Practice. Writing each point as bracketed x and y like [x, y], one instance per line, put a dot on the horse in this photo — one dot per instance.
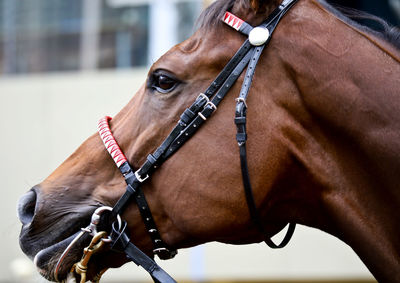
[323, 128]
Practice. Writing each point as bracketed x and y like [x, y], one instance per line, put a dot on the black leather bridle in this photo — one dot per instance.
[190, 121]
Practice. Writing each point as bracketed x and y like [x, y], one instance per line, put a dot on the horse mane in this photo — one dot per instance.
[211, 16]
[350, 16]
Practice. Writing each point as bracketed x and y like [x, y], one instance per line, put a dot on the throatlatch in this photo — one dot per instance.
[190, 121]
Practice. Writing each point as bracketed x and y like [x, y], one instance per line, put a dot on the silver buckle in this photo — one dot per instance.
[241, 99]
[202, 95]
[211, 104]
[164, 253]
[139, 178]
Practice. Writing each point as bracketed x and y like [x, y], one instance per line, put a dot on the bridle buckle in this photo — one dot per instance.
[241, 99]
[212, 105]
[164, 253]
[139, 178]
[202, 95]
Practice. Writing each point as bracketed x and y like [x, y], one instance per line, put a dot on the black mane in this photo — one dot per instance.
[213, 14]
[351, 16]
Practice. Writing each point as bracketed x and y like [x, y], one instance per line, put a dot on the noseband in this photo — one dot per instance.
[190, 121]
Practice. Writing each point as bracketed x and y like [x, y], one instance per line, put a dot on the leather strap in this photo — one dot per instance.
[122, 243]
[208, 109]
[241, 135]
[160, 248]
[252, 205]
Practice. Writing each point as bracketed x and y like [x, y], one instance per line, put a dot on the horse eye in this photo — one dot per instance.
[163, 83]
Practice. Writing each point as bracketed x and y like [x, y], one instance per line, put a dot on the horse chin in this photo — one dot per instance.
[46, 259]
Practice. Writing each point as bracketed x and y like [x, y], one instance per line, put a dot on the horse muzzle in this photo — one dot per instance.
[26, 207]
[48, 229]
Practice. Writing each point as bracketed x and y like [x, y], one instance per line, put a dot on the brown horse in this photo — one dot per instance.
[323, 147]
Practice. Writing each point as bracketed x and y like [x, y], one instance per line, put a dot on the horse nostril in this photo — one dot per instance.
[26, 207]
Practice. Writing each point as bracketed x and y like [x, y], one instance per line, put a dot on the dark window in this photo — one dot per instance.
[69, 35]
[124, 36]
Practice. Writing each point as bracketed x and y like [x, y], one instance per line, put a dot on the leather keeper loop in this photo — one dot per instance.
[151, 159]
[240, 120]
[158, 153]
[125, 168]
[241, 137]
[187, 116]
[130, 178]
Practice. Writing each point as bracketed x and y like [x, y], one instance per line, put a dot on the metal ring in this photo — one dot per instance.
[96, 219]
[65, 252]
[92, 230]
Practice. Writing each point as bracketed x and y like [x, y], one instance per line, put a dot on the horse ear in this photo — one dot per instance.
[261, 6]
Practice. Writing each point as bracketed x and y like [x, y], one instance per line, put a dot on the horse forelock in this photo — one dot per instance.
[211, 16]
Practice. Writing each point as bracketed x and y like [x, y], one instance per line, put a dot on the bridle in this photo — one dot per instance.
[190, 121]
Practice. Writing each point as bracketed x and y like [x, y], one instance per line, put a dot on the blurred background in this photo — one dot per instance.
[63, 65]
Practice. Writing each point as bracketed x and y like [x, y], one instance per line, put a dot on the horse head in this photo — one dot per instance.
[300, 161]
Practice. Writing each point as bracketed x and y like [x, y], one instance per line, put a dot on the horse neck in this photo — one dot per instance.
[348, 84]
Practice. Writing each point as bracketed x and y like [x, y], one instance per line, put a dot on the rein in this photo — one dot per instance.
[190, 121]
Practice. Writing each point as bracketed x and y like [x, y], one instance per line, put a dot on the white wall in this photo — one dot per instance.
[44, 118]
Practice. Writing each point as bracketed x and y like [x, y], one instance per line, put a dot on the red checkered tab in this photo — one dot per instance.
[109, 141]
[233, 21]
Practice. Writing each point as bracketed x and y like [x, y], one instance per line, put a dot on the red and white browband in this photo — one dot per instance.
[233, 21]
[257, 36]
[110, 142]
